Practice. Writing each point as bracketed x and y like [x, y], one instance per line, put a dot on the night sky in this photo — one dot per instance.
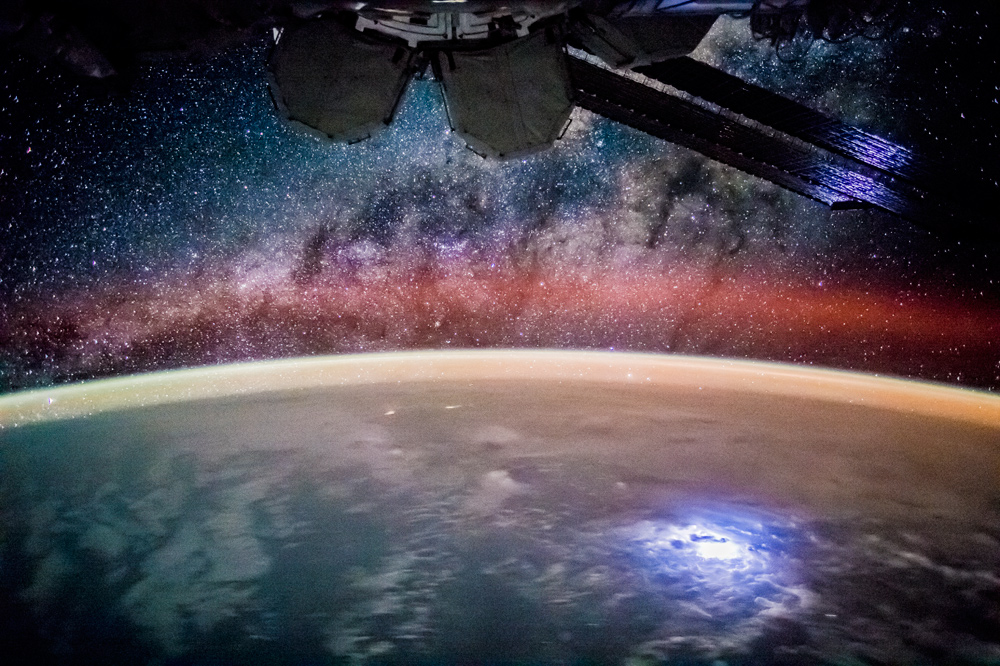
[179, 221]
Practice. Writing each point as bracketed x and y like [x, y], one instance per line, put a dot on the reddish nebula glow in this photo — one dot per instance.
[945, 336]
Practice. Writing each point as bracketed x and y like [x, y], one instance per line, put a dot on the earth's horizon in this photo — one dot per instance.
[247, 377]
[501, 507]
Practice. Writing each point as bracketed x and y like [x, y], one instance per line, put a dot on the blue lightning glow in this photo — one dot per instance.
[724, 565]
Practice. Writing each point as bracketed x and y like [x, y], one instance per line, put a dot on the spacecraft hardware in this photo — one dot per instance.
[512, 72]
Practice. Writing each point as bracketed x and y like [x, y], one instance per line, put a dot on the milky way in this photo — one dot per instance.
[181, 222]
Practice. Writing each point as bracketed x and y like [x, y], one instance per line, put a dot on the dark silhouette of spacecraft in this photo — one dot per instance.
[511, 73]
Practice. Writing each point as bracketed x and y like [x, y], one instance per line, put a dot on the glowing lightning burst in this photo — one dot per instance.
[703, 546]
[713, 546]
[723, 566]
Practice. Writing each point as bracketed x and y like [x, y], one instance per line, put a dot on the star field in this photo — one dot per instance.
[182, 222]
